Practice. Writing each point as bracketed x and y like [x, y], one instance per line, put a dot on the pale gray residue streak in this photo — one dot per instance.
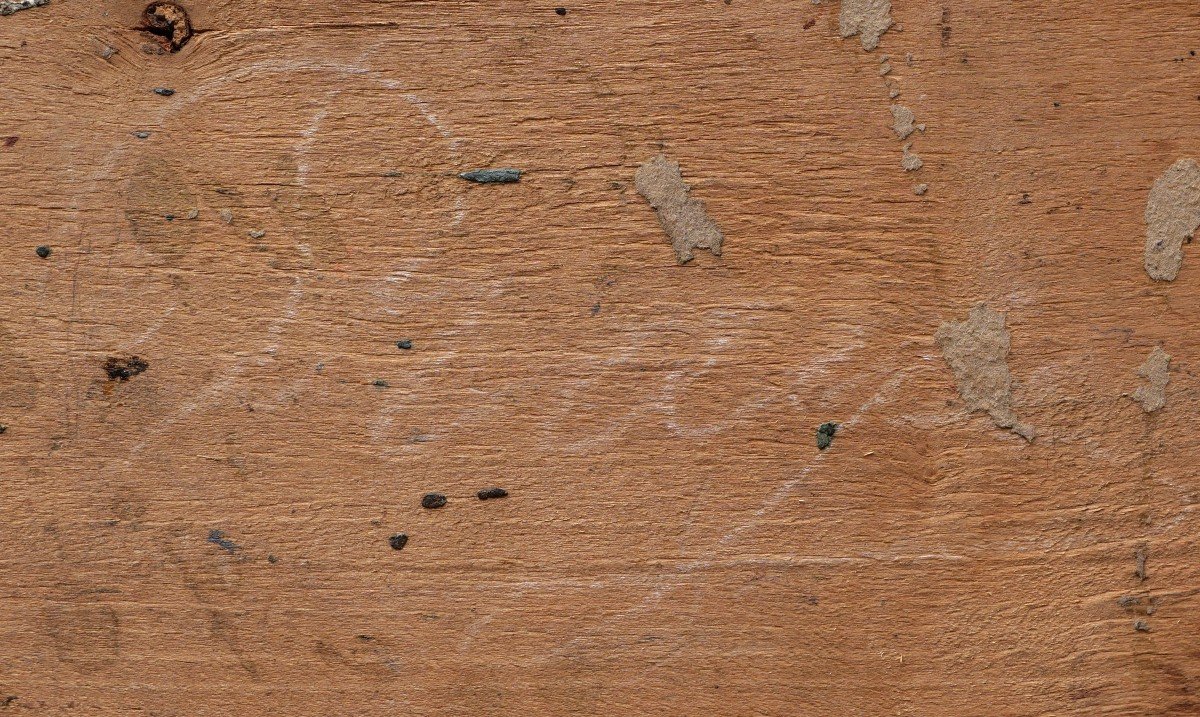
[910, 161]
[8, 8]
[866, 18]
[902, 121]
[1152, 396]
[681, 215]
[977, 351]
[1172, 215]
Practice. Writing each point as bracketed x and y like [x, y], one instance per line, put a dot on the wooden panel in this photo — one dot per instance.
[210, 536]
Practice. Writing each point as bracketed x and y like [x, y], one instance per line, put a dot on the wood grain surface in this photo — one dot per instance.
[210, 536]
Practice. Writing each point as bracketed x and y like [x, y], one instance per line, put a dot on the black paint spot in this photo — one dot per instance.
[404, 344]
[489, 493]
[217, 537]
[398, 541]
[43, 251]
[825, 433]
[492, 176]
[1058, 104]
[560, 11]
[169, 23]
[164, 91]
[123, 369]
[433, 501]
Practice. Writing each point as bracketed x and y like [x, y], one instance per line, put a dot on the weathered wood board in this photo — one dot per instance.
[210, 535]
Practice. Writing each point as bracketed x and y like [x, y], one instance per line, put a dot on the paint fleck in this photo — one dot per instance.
[164, 91]
[256, 233]
[866, 18]
[1152, 396]
[910, 162]
[977, 352]
[8, 8]
[398, 541]
[1141, 626]
[404, 344]
[433, 501]
[884, 69]
[492, 176]
[681, 215]
[227, 216]
[217, 537]
[825, 434]
[42, 251]
[123, 369]
[491, 493]
[902, 121]
[920, 189]
[560, 11]
[1172, 215]
[380, 383]
[141, 135]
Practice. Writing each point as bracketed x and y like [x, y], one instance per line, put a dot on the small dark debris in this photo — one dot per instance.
[42, 251]
[369, 638]
[123, 369]
[1024, 199]
[380, 383]
[169, 217]
[10, 141]
[8, 700]
[1141, 626]
[141, 135]
[560, 11]
[1140, 556]
[489, 493]
[404, 344]
[169, 23]
[3, 429]
[398, 541]
[945, 26]
[217, 537]
[1128, 601]
[164, 91]
[1058, 104]
[492, 176]
[1192, 53]
[808, 25]
[825, 433]
[433, 501]
[272, 559]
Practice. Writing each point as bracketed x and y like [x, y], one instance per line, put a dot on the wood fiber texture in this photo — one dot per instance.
[212, 535]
